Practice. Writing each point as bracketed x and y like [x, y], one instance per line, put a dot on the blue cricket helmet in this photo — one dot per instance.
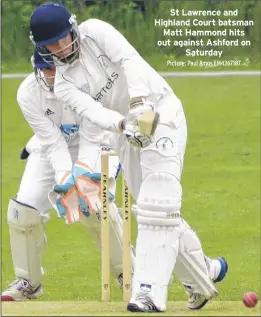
[49, 23]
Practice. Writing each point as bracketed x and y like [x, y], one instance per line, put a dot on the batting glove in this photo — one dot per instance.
[140, 123]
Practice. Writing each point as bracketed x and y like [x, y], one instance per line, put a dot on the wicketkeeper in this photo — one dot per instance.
[62, 171]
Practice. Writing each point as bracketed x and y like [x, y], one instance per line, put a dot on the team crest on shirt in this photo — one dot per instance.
[164, 143]
[85, 88]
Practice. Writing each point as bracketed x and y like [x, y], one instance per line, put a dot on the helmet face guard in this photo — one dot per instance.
[46, 82]
[49, 24]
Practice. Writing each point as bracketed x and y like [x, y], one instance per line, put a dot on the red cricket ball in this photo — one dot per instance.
[250, 299]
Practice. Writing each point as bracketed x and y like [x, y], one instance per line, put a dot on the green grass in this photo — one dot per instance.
[118, 309]
[221, 183]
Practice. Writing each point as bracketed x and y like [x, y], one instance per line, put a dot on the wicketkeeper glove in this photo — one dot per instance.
[88, 187]
[67, 203]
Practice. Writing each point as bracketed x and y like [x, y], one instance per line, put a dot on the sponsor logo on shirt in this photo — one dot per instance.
[106, 148]
[48, 112]
[107, 87]
[69, 131]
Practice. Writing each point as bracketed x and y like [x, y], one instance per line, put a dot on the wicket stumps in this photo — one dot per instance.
[105, 233]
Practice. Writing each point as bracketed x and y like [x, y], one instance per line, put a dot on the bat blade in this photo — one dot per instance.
[148, 122]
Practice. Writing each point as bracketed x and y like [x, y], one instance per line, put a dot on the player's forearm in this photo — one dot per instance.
[104, 118]
[86, 107]
[89, 151]
[48, 135]
[59, 157]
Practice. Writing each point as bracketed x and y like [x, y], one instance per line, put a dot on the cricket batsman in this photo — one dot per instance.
[63, 145]
[103, 79]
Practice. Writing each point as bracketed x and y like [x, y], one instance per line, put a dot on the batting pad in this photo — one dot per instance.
[191, 262]
[203, 281]
[27, 241]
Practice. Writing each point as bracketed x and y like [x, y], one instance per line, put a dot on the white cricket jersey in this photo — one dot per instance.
[107, 74]
[56, 126]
